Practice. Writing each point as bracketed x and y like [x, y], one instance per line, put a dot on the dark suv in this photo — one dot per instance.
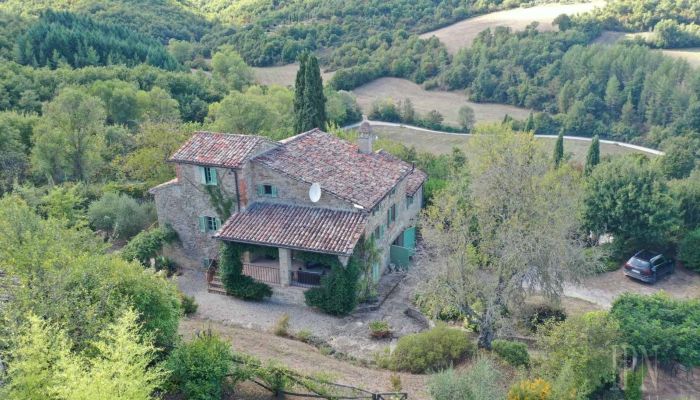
[649, 266]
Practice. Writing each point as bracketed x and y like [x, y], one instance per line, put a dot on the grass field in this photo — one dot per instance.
[461, 34]
[447, 103]
[441, 144]
[282, 75]
[692, 55]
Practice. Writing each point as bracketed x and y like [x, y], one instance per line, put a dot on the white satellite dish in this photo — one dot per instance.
[315, 192]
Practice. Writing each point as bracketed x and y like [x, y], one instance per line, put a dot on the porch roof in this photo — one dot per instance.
[318, 230]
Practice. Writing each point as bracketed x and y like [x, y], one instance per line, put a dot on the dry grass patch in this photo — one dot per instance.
[282, 75]
[462, 34]
[447, 103]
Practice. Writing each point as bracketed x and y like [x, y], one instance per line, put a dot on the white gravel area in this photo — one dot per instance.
[349, 334]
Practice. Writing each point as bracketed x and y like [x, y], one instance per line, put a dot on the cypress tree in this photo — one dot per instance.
[299, 93]
[309, 100]
[593, 156]
[559, 149]
[530, 124]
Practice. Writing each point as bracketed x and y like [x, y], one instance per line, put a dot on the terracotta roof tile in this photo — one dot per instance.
[217, 149]
[339, 167]
[304, 228]
[414, 181]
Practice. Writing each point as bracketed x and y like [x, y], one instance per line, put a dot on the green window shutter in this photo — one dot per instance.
[202, 176]
[274, 191]
[261, 190]
[213, 177]
[202, 224]
[217, 223]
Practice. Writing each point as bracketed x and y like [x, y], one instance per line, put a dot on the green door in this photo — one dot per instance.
[409, 238]
[375, 272]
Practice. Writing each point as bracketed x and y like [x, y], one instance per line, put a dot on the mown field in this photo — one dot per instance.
[282, 75]
[447, 103]
[692, 55]
[461, 34]
[442, 143]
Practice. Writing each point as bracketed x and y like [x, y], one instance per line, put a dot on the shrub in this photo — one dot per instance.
[661, 327]
[304, 335]
[534, 315]
[689, 250]
[199, 368]
[431, 350]
[537, 389]
[166, 264]
[337, 294]
[120, 214]
[189, 306]
[147, 244]
[633, 384]
[237, 284]
[281, 327]
[515, 353]
[482, 381]
[379, 329]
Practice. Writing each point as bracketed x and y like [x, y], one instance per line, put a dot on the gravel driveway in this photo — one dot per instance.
[349, 335]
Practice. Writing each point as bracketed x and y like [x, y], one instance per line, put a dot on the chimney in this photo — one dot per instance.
[364, 142]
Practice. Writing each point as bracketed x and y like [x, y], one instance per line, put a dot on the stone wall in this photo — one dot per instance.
[180, 205]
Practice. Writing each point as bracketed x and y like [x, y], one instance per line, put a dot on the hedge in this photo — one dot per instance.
[231, 270]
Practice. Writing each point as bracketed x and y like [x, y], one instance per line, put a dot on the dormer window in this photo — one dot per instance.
[208, 176]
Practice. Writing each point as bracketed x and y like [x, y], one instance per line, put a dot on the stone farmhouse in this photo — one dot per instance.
[249, 189]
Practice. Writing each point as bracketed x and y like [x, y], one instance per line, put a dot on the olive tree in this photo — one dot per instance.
[502, 231]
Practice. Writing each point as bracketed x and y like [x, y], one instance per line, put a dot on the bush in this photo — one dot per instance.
[535, 315]
[431, 350]
[379, 329]
[689, 250]
[515, 353]
[237, 284]
[661, 327]
[304, 335]
[337, 294]
[189, 306]
[537, 389]
[633, 384]
[147, 244]
[120, 214]
[282, 326]
[199, 368]
[166, 264]
[482, 381]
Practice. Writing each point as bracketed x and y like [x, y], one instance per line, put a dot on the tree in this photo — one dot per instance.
[530, 123]
[593, 156]
[680, 157]
[583, 347]
[629, 198]
[309, 100]
[499, 232]
[229, 69]
[408, 113]
[559, 150]
[466, 118]
[69, 138]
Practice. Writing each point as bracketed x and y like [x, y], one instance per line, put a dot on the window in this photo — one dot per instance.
[391, 215]
[379, 232]
[409, 201]
[267, 190]
[208, 175]
[209, 224]
[393, 190]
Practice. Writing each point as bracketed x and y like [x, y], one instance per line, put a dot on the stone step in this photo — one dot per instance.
[218, 290]
[216, 284]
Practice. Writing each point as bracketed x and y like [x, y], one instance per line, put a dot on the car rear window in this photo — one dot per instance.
[635, 262]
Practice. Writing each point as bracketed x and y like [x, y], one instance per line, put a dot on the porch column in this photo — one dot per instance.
[344, 260]
[285, 265]
[246, 257]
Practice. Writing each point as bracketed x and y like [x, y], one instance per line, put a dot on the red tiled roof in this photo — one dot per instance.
[304, 228]
[217, 149]
[339, 167]
[414, 181]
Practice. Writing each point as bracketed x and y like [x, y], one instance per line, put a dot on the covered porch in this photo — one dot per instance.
[288, 268]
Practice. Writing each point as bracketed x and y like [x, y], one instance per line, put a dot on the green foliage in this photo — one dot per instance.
[229, 69]
[337, 294]
[467, 119]
[199, 367]
[121, 363]
[147, 244]
[482, 381]
[629, 198]
[536, 389]
[536, 315]
[379, 329]
[593, 155]
[660, 327]
[120, 214]
[309, 100]
[231, 271]
[281, 327]
[633, 384]
[431, 350]
[559, 150]
[679, 158]
[587, 345]
[387, 110]
[64, 203]
[64, 37]
[687, 193]
[689, 250]
[189, 305]
[515, 353]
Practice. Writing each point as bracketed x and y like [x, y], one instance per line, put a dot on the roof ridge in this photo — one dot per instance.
[298, 136]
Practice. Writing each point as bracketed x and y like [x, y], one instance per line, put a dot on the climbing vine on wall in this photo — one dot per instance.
[337, 294]
[222, 204]
[231, 270]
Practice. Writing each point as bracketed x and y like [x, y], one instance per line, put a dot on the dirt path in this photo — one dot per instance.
[462, 34]
[303, 357]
